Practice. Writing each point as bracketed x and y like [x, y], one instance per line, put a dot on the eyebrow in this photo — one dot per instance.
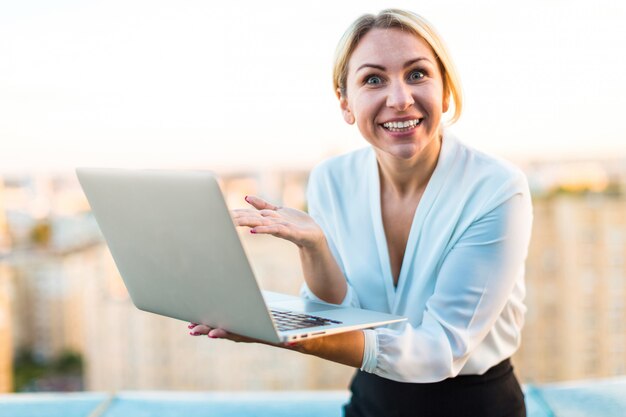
[406, 64]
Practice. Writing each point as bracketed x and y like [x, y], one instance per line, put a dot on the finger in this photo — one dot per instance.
[200, 330]
[259, 203]
[276, 229]
[268, 213]
[243, 212]
[192, 325]
[220, 334]
[253, 221]
[223, 334]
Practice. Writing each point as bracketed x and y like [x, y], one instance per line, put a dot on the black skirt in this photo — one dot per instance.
[493, 394]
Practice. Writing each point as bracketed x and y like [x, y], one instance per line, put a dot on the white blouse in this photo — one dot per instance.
[461, 282]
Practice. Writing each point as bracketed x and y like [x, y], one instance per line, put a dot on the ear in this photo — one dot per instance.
[445, 105]
[345, 108]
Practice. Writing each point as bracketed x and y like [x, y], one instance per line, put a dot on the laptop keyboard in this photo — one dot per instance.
[288, 320]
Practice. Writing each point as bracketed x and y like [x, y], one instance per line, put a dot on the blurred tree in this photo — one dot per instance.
[29, 372]
[41, 233]
[68, 363]
[26, 369]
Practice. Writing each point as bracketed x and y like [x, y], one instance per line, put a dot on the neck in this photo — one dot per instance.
[408, 178]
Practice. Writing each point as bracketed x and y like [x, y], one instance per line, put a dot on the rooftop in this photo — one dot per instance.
[606, 398]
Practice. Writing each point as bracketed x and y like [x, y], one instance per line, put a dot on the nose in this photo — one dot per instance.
[400, 97]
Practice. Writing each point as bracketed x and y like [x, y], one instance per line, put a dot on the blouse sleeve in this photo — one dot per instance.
[320, 206]
[474, 282]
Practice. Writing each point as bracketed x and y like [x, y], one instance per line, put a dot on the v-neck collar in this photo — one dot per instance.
[437, 179]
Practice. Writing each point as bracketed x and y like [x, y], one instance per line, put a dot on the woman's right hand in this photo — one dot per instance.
[284, 222]
[319, 267]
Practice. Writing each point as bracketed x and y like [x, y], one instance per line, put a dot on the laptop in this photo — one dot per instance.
[177, 250]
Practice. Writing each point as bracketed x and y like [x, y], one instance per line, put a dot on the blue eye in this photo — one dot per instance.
[416, 75]
[373, 80]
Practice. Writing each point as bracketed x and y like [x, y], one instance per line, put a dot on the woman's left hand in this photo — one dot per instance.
[196, 329]
[346, 348]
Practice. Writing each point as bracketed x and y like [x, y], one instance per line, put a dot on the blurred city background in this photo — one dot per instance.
[244, 89]
[67, 323]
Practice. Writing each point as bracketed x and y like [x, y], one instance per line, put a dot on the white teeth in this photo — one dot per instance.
[402, 125]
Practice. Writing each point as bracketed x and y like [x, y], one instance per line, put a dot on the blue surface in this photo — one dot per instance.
[271, 404]
[50, 405]
[535, 404]
[606, 398]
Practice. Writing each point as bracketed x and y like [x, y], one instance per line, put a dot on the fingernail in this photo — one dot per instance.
[246, 198]
[191, 326]
[193, 333]
[252, 231]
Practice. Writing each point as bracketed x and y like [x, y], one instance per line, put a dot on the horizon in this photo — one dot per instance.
[232, 168]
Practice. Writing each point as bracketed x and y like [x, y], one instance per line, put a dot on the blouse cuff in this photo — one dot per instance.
[370, 351]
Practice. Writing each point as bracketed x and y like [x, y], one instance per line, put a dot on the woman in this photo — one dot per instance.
[417, 224]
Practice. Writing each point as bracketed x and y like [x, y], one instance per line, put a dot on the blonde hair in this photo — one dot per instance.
[404, 20]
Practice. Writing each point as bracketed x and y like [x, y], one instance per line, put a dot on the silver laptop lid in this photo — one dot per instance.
[172, 239]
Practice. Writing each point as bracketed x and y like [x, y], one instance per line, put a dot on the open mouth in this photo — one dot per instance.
[404, 126]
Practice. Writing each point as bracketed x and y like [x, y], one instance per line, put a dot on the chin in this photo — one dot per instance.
[405, 152]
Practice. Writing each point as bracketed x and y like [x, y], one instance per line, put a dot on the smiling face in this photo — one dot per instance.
[395, 93]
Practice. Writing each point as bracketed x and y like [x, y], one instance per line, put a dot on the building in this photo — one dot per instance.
[6, 342]
[48, 303]
[51, 252]
[5, 238]
[576, 279]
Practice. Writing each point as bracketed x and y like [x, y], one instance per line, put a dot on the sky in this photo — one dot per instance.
[247, 84]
